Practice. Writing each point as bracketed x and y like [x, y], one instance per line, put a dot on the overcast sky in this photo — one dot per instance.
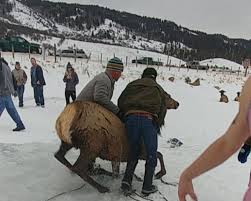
[228, 17]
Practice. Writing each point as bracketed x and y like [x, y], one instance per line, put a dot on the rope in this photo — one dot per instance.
[65, 192]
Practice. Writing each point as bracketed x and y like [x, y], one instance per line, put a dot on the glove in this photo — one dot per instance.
[244, 152]
[120, 115]
[15, 94]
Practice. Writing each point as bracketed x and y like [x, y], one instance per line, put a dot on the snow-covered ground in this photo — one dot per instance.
[29, 172]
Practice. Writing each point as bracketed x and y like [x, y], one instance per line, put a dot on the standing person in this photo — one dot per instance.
[20, 78]
[37, 82]
[100, 90]
[222, 148]
[71, 80]
[6, 90]
[143, 105]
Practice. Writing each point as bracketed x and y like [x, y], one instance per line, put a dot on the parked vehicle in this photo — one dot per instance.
[19, 44]
[147, 60]
[79, 53]
[196, 65]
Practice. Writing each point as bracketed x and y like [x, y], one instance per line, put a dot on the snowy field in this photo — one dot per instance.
[29, 172]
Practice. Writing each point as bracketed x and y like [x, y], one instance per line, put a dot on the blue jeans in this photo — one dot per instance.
[20, 93]
[6, 102]
[138, 128]
[39, 94]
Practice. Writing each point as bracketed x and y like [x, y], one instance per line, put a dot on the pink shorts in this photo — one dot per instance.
[247, 196]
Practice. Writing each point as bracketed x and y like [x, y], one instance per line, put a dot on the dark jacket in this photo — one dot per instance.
[145, 95]
[37, 75]
[71, 81]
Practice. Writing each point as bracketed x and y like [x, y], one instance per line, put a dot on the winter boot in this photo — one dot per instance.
[19, 128]
[127, 180]
[148, 187]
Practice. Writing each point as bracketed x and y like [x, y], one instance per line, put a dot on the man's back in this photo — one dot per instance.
[100, 90]
[88, 93]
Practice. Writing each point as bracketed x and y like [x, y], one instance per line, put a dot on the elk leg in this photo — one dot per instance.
[81, 169]
[60, 154]
[101, 171]
[115, 168]
[162, 171]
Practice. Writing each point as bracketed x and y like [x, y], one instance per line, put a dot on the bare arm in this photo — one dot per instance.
[221, 149]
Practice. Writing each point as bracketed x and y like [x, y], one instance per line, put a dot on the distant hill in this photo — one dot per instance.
[38, 18]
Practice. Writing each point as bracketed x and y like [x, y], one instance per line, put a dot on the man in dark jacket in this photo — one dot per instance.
[71, 80]
[37, 82]
[143, 105]
[6, 90]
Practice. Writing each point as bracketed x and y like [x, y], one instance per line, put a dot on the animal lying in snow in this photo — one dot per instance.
[223, 97]
[237, 98]
[97, 132]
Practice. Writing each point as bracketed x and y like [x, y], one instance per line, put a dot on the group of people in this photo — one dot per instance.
[13, 83]
[141, 107]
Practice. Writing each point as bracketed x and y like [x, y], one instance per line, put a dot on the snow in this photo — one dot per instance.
[108, 51]
[31, 18]
[29, 171]
[222, 63]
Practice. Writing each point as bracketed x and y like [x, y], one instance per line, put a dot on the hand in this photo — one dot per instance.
[244, 152]
[186, 188]
[15, 94]
[38, 82]
[120, 115]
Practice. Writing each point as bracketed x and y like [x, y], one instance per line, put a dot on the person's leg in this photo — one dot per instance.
[2, 105]
[18, 94]
[22, 95]
[35, 88]
[73, 95]
[41, 95]
[10, 107]
[67, 97]
[150, 137]
[20, 91]
[133, 135]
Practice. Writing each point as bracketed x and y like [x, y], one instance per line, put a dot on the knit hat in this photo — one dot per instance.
[68, 65]
[150, 73]
[115, 64]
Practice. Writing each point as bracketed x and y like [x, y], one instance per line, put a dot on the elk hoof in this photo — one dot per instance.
[103, 190]
[159, 175]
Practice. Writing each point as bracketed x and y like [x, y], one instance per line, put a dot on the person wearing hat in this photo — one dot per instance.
[143, 105]
[20, 78]
[71, 80]
[100, 88]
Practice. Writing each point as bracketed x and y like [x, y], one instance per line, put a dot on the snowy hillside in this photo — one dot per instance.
[222, 63]
[115, 33]
[29, 171]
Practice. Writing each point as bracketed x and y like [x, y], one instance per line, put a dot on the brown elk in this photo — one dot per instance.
[97, 133]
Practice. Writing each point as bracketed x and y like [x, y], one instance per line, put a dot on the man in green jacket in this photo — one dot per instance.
[143, 105]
